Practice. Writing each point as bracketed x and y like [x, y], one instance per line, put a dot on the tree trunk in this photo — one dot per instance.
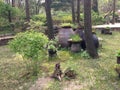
[9, 1]
[19, 3]
[78, 12]
[37, 6]
[27, 10]
[88, 30]
[73, 11]
[13, 3]
[9, 16]
[6, 1]
[49, 19]
[9, 12]
[95, 6]
[114, 5]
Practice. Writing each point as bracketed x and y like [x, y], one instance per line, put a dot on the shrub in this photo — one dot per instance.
[84, 54]
[52, 45]
[40, 17]
[66, 25]
[5, 8]
[30, 45]
[62, 17]
[97, 19]
[36, 26]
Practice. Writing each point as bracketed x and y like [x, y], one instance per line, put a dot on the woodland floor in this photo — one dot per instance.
[92, 74]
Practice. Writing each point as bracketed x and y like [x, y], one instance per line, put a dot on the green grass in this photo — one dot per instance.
[92, 74]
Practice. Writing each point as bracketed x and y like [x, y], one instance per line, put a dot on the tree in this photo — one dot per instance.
[114, 5]
[95, 6]
[37, 6]
[49, 19]
[13, 3]
[73, 11]
[27, 10]
[78, 12]
[88, 30]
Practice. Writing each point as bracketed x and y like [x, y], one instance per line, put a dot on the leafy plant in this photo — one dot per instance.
[51, 45]
[84, 54]
[5, 8]
[118, 53]
[97, 19]
[40, 17]
[107, 28]
[37, 26]
[30, 45]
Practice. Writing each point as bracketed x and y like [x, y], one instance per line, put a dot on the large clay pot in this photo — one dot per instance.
[63, 35]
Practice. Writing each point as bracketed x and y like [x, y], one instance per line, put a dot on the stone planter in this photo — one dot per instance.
[75, 46]
[52, 52]
[106, 31]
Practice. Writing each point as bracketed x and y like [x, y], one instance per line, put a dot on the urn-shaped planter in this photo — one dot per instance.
[75, 46]
[63, 36]
[106, 30]
[75, 43]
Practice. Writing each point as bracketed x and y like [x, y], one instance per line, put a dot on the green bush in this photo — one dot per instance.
[62, 17]
[16, 13]
[3, 21]
[40, 17]
[5, 8]
[30, 45]
[7, 27]
[97, 19]
[52, 45]
[66, 25]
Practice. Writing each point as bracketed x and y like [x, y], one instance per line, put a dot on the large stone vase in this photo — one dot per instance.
[64, 35]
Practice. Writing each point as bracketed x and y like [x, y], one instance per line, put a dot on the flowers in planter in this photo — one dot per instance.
[75, 38]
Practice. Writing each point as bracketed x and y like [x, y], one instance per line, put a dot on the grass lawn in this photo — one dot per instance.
[92, 74]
